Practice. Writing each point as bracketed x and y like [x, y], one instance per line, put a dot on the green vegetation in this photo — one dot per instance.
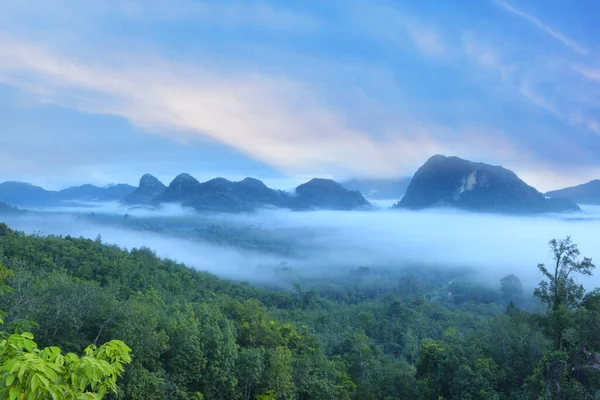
[404, 334]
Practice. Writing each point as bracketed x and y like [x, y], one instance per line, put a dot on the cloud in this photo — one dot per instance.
[573, 45]
[273, 119]
[398, 28]
[589, 73]
[545, 81]
[308, 106]
[223, 13]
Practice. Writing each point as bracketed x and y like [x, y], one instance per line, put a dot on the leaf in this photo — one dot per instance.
[14, 393]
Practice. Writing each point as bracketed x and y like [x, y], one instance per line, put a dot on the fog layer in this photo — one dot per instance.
[323, 242]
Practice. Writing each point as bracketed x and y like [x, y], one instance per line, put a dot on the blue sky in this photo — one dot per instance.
[105, 91]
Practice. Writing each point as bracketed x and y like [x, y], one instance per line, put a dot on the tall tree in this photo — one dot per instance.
[560, 288]
[559, 291]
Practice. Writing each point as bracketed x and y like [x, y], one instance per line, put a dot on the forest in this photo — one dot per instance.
[135, 326]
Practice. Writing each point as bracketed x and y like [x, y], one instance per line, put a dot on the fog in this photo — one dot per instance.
[328, 241]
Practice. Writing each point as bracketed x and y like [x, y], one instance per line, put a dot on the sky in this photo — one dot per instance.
[104, 91]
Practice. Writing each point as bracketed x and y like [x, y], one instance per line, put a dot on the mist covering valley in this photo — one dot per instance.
[276, 246]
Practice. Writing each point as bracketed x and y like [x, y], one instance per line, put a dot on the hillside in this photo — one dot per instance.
[453, 182]
[587, 193]
[368, 334]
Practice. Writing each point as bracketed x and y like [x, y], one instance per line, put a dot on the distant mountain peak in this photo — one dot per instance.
[328, 194]
[148, 189]
[149, 180]
[184, 179]
[253, 182]
[452, 181]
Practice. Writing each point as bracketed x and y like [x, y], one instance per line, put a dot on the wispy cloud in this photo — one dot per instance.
[308, 106]
[386, 23]
[589, 73]
[273, 119]
[570, 43]
[544, 81]
[222, 13]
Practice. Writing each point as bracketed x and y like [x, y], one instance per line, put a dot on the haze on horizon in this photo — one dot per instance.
[103, 92]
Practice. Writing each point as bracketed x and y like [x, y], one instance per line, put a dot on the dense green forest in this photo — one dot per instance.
[411, 333]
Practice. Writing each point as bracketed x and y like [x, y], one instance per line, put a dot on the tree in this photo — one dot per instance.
[560, 293]
[511, 287]
[560, 287]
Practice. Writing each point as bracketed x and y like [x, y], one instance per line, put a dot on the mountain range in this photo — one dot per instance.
[222, 195]
[440, 182]
[453, 182]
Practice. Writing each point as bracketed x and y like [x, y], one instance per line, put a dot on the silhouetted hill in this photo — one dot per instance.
[454, 182]
[89, 192]
[587, 193]
[327, 194]
[148, 189]
[379, 189]
[222, 195]
[180, 190]
[26, 195]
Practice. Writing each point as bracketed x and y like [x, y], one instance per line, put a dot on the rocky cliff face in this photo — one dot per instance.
[453, 182]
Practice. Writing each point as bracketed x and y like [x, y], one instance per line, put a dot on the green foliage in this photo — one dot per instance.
[31, 373]
[560, 288]
[416, 334]
[560, 293]
[511, 288]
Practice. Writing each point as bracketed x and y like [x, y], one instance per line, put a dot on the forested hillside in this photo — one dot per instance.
[406, 334]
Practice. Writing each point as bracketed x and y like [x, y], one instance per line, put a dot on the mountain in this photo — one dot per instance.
[453, 182]
[222, 195]
[148, 189]
[327, 194]
[24, 194]
[94, 193]
[588, 193]
[379, 189]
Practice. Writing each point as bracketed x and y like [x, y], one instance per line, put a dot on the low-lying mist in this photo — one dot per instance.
[322, 243]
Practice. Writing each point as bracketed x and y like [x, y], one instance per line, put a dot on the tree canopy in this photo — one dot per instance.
[413, 332]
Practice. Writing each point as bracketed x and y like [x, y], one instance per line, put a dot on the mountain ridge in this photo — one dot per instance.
[222, 195]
